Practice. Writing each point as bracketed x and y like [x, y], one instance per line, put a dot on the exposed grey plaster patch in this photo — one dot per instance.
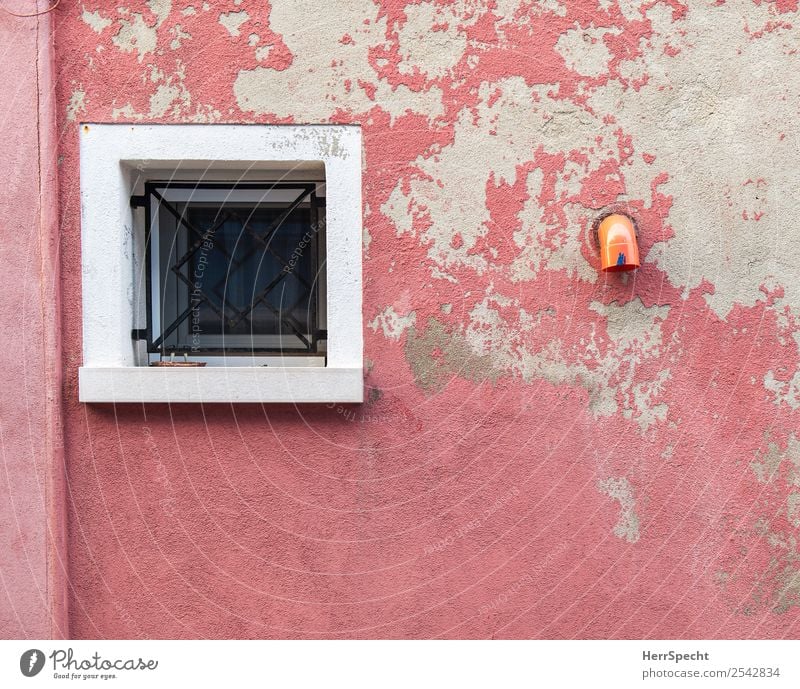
[393, 324]
[620, 489]
[644, 410]
[437, 355]
[557, 7]
[782, 571]
[188, 11]
[500, 349]
[76, 105]
[724, 99]
[632, 323]
[163, 97]
[366, 239]
[433, 53]
[785, 392]
[262, 52]
[543, 246]
[160, 8]
[511, 120]
[446, 308]
[793, 508]
[95, 20]
[325, 73]
[788, 593]
[170, 96]
[135, 35]
[766, 465]
[127, 112]
[180, 36]
[584, 50]
[233, 20]
[779, 585]
[606, 374]
[631, 9]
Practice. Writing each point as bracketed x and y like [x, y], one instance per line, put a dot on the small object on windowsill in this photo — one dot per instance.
[171, 361]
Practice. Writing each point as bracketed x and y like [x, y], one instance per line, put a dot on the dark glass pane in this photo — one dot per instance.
[240, 279]
[246, 287]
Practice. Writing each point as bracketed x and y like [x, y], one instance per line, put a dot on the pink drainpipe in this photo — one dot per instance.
[33, 581]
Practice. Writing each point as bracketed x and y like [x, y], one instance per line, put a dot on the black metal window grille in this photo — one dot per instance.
[233, 268]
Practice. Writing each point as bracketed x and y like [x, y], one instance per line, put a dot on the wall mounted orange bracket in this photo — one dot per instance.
[619, 250]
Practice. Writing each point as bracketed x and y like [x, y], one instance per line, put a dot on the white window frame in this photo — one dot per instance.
[114, 159]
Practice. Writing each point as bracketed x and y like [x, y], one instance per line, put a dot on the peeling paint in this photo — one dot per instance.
[767, 464]
[432, 53]
[77, 105]
[436, 356]
[392, 324]
[620, 489]
[96, 21]
[180, 37]
[232, 21]
[787, 392]
[321, 84]
[690, 113]
[135, 35]
[494, 135]
[584, 50]
[788, 593]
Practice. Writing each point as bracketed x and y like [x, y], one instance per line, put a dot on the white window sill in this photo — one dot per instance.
[220, 384]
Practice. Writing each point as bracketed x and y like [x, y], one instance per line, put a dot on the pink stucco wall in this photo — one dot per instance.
[545, 451]
[32, 517]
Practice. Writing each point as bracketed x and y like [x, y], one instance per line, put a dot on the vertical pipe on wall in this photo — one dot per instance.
[49, 239]
[33, 581]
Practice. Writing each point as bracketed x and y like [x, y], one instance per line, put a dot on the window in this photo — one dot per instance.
[236, 270]
[235, 246]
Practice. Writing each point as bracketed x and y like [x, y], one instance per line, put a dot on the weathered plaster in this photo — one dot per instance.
[96, 20]
[494, 133]
[232, 21]
[393, 324]
[77, 105]
[717, 112]
[584, 50]
[620, 489]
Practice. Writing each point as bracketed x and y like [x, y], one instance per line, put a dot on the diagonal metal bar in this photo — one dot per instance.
[284, 317]
[272, 228]
[193, 287]
[172, 328]
[268, 246]
[288, 321]
[224, 303]
[193, 249]
[273, 283]
[286, 264]
[202, 235]
[211, 231]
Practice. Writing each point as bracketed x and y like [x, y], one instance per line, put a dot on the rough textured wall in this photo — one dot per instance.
[32, 522]
[546, 451]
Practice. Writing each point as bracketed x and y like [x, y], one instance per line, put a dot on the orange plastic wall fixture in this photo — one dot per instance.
[619, 249]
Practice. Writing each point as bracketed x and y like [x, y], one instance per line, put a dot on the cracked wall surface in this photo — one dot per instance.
[617, 450]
